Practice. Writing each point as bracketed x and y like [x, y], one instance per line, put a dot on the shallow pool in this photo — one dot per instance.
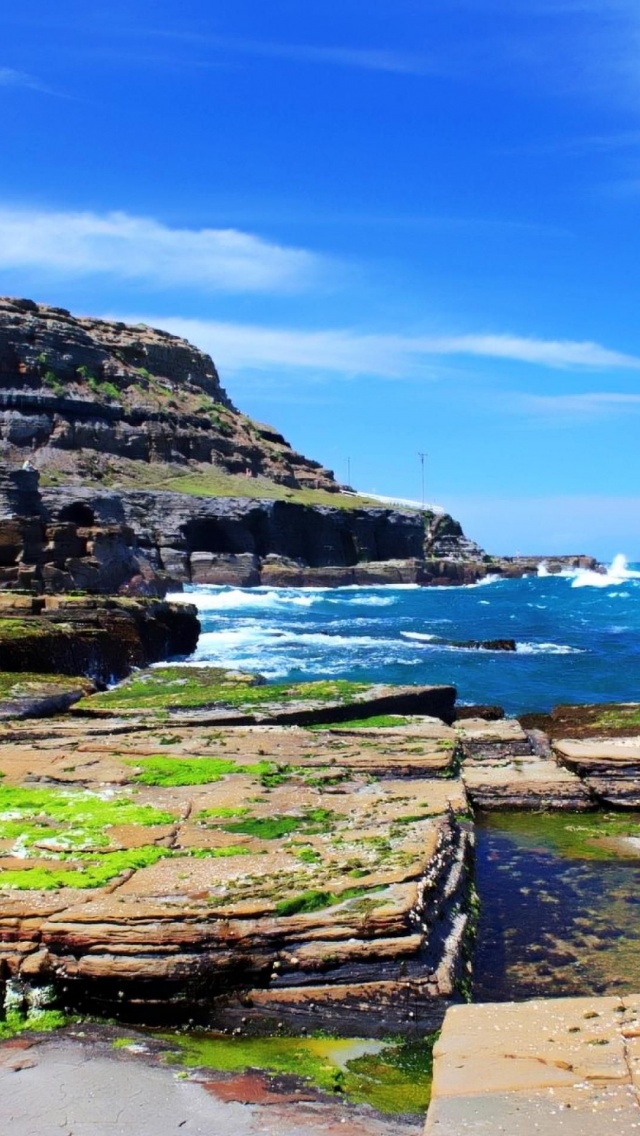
[559, 905]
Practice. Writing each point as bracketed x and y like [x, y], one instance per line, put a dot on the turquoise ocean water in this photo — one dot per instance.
[577, 636]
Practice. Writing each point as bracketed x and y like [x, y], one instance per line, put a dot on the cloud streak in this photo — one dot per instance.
[366, 59]
[238, 347]
[11, 78]
[140, 248]
[591, 404]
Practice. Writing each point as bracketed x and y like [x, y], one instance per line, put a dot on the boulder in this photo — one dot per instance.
[240, 570]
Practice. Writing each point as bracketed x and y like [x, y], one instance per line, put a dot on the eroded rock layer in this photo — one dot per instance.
[81, 395]
[239, 876]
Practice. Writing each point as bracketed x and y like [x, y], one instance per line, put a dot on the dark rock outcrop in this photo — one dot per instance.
[100, 638]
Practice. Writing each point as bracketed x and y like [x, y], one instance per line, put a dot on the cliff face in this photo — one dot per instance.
[89, 397]
[107, 413]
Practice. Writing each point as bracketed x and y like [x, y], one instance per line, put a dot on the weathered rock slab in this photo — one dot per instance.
[39, 696]
[504, 766]
[237, 875]
[609, 767]
[564, 1065]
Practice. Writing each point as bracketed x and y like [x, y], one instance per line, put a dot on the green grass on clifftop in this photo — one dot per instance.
[208, 481]
[216, 484]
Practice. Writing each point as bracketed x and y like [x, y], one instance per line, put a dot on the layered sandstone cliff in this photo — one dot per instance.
[143, 474]
[87, 397]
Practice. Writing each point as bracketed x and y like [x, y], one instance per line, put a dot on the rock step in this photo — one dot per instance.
[504, 766]
[566, 1065]
[608, 767]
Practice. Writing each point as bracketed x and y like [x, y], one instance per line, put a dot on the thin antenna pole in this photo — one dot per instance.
[422, 456]
[348, 471]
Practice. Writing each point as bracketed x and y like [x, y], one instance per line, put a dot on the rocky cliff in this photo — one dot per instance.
[142, 474]
[113, 421]
[93, 400]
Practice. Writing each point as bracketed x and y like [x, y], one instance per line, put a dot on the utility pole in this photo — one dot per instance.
[348, 471]
[422, 457]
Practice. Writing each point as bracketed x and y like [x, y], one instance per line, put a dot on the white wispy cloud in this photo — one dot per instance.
[364, 58]
[11, 78]
[130, 247]
[343, 351]
[559, 353]
[571, 406]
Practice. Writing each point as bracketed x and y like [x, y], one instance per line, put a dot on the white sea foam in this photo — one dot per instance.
[547, 649]
[237, 600]
[210, 599]
[419, 635]
[543, 571]
[219, 642]
[617, 573]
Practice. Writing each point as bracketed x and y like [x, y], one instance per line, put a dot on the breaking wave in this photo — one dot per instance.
[617, 573]
[548, 649]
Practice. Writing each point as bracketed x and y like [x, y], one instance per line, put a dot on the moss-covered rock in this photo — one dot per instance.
[96, 637]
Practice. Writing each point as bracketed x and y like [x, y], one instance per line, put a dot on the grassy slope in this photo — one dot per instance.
[205, 481]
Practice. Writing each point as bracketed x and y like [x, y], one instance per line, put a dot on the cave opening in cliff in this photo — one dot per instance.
[211, 535]
[78, 513]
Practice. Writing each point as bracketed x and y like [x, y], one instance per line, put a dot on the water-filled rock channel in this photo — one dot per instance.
[559, 905]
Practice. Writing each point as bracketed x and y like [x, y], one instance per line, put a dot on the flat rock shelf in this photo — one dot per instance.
[197, 846]
[245, 875]
[563, 1065]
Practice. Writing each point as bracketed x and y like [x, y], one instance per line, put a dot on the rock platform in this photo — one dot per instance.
[566, 1066]
[200, 846]
[197, 844]
[244, 875]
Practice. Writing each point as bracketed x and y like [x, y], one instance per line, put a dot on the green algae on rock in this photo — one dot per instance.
[579, 836]
[35, 1020]
[391, 1076]
[69, 837]
[180, 687]
[377, 721]
[84, 872]
[166, 771]
[60, 820]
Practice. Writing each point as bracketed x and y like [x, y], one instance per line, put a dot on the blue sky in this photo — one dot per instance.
[397, 226]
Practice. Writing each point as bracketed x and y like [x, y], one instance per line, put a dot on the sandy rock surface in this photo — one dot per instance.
[566, 1066]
